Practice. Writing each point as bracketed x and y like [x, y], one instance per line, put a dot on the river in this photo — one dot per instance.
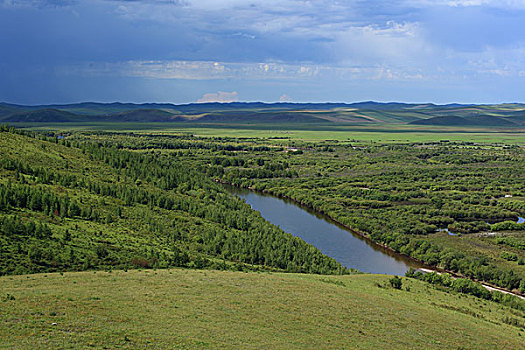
[332, 239]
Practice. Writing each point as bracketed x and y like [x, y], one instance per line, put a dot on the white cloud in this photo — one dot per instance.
[508, 4]
[500, 62]
[206, 70]
[36, 3]
[285, 98]
[399, 44]
[219, 96]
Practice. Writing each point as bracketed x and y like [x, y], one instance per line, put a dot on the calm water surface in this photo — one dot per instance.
[333, 240]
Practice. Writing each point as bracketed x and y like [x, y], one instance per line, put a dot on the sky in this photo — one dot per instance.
[182, 51]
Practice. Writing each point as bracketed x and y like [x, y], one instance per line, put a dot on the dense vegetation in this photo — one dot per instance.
[398, 195]
[467, 286]
[70, 205]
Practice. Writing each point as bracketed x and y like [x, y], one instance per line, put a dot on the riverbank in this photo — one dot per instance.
[422, 266]
[362, 235]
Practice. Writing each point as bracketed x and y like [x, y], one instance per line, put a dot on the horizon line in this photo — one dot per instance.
[261, 102]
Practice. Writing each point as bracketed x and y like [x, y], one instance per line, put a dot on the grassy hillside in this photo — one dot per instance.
[44, 115]
[260, 117]
[480, 121]
[172, 309]
[141, 115]
[7, 110]
[441, 120]
[483, 116]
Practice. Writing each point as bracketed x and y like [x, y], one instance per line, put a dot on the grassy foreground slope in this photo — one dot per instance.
[222, 309]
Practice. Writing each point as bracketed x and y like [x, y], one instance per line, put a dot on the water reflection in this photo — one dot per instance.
[330, 238]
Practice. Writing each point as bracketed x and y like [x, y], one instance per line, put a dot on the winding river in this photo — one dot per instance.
[332, 239]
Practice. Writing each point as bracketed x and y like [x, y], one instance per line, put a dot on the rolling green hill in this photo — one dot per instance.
[188, 309]
[441, 120]
[141, 115]
[361, 113]
[452, 120]
[261, 117]
[517, 117]
[7, 110]
[43, 116]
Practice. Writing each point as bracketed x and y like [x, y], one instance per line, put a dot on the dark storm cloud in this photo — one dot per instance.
[452, 44]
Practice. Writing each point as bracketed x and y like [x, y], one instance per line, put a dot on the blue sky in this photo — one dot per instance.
[441, 51]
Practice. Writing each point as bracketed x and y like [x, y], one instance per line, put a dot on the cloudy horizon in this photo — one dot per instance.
[64, 51]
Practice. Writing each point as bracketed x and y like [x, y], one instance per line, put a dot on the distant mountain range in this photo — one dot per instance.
[369, 112]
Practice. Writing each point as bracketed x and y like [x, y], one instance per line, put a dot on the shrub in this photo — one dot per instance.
[396, 282]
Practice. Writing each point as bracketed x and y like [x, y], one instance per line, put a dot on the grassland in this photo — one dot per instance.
[389, 134]
[183, 308]
[303, 132]
[366, 121]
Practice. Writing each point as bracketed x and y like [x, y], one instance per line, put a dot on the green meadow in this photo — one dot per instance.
[303, 131]
[182, 308]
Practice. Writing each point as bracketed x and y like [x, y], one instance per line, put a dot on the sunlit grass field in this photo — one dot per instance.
[306, 132]
[203, 309]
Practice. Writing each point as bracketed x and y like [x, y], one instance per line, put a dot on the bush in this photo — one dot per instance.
[396, 282]
[509, 256]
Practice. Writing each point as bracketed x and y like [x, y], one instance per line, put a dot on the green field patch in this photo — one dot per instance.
[213, 309]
